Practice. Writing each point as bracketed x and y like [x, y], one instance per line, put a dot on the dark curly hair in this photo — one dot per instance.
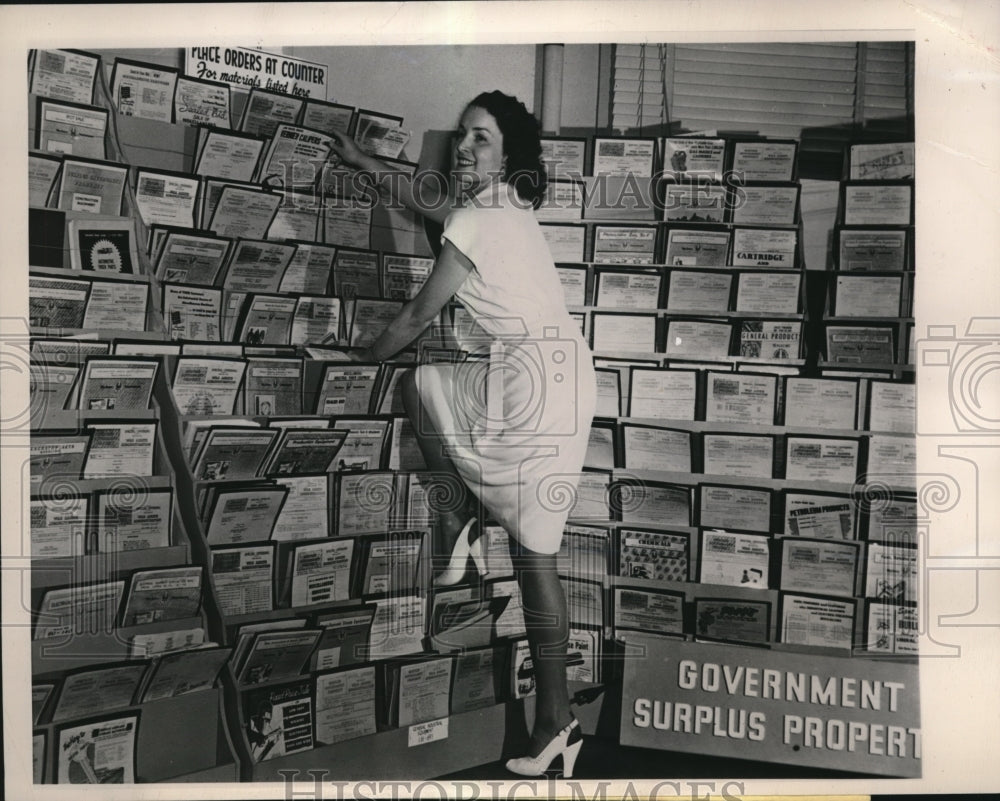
[521, 143]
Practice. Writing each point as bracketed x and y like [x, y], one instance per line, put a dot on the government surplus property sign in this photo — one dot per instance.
[749, 703]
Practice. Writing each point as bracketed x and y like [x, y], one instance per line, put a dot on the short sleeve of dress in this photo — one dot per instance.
[462, 230]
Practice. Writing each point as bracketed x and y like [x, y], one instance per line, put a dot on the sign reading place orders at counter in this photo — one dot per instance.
[243, 68]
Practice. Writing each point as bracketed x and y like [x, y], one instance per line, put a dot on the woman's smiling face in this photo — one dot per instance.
[477, 159]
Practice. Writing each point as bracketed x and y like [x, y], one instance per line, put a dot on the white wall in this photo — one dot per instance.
[427, 85]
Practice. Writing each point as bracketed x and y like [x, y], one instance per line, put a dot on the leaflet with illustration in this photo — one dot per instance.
[166, 594]
[273, 387]
[614, 156]
[59, 526]
[305, 451]
[274, 655]
[278, 719]
[64, 74]
[106, 246]
[655, 555]
[57, 457]
[243, 514]
[687, 247]
[117, 383]
[624, 244]
[192, 312]
[201, 102]
[133, 521]
[120, 449]
[190, 257]
[143, 90]
[166, 198]
[266, 321]
[71, 129]
[229, 453]
[265, 111]
[740, 398]
[739, 560]
[98, 752]
[204, 386]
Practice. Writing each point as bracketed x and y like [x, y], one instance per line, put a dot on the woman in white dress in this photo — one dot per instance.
[514, 424]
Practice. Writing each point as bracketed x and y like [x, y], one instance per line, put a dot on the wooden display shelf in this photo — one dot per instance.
[474, 738]
[174, 742]
[56, 655]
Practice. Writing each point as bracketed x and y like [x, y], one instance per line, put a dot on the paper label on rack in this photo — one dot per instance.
[421, 733]
[327, 658]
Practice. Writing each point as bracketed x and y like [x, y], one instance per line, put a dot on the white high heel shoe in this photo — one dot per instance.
[460, 554]
[567, 743]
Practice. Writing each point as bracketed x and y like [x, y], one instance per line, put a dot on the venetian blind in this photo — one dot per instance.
[637, 86]
[885, 90]
[776, 89]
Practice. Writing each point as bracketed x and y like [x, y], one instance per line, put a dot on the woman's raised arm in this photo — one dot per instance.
[427, 197]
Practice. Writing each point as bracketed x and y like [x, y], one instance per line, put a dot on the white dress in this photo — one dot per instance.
[516, 425]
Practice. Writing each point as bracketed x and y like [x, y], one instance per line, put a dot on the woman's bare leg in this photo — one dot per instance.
[546, 619]
[432, 446]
